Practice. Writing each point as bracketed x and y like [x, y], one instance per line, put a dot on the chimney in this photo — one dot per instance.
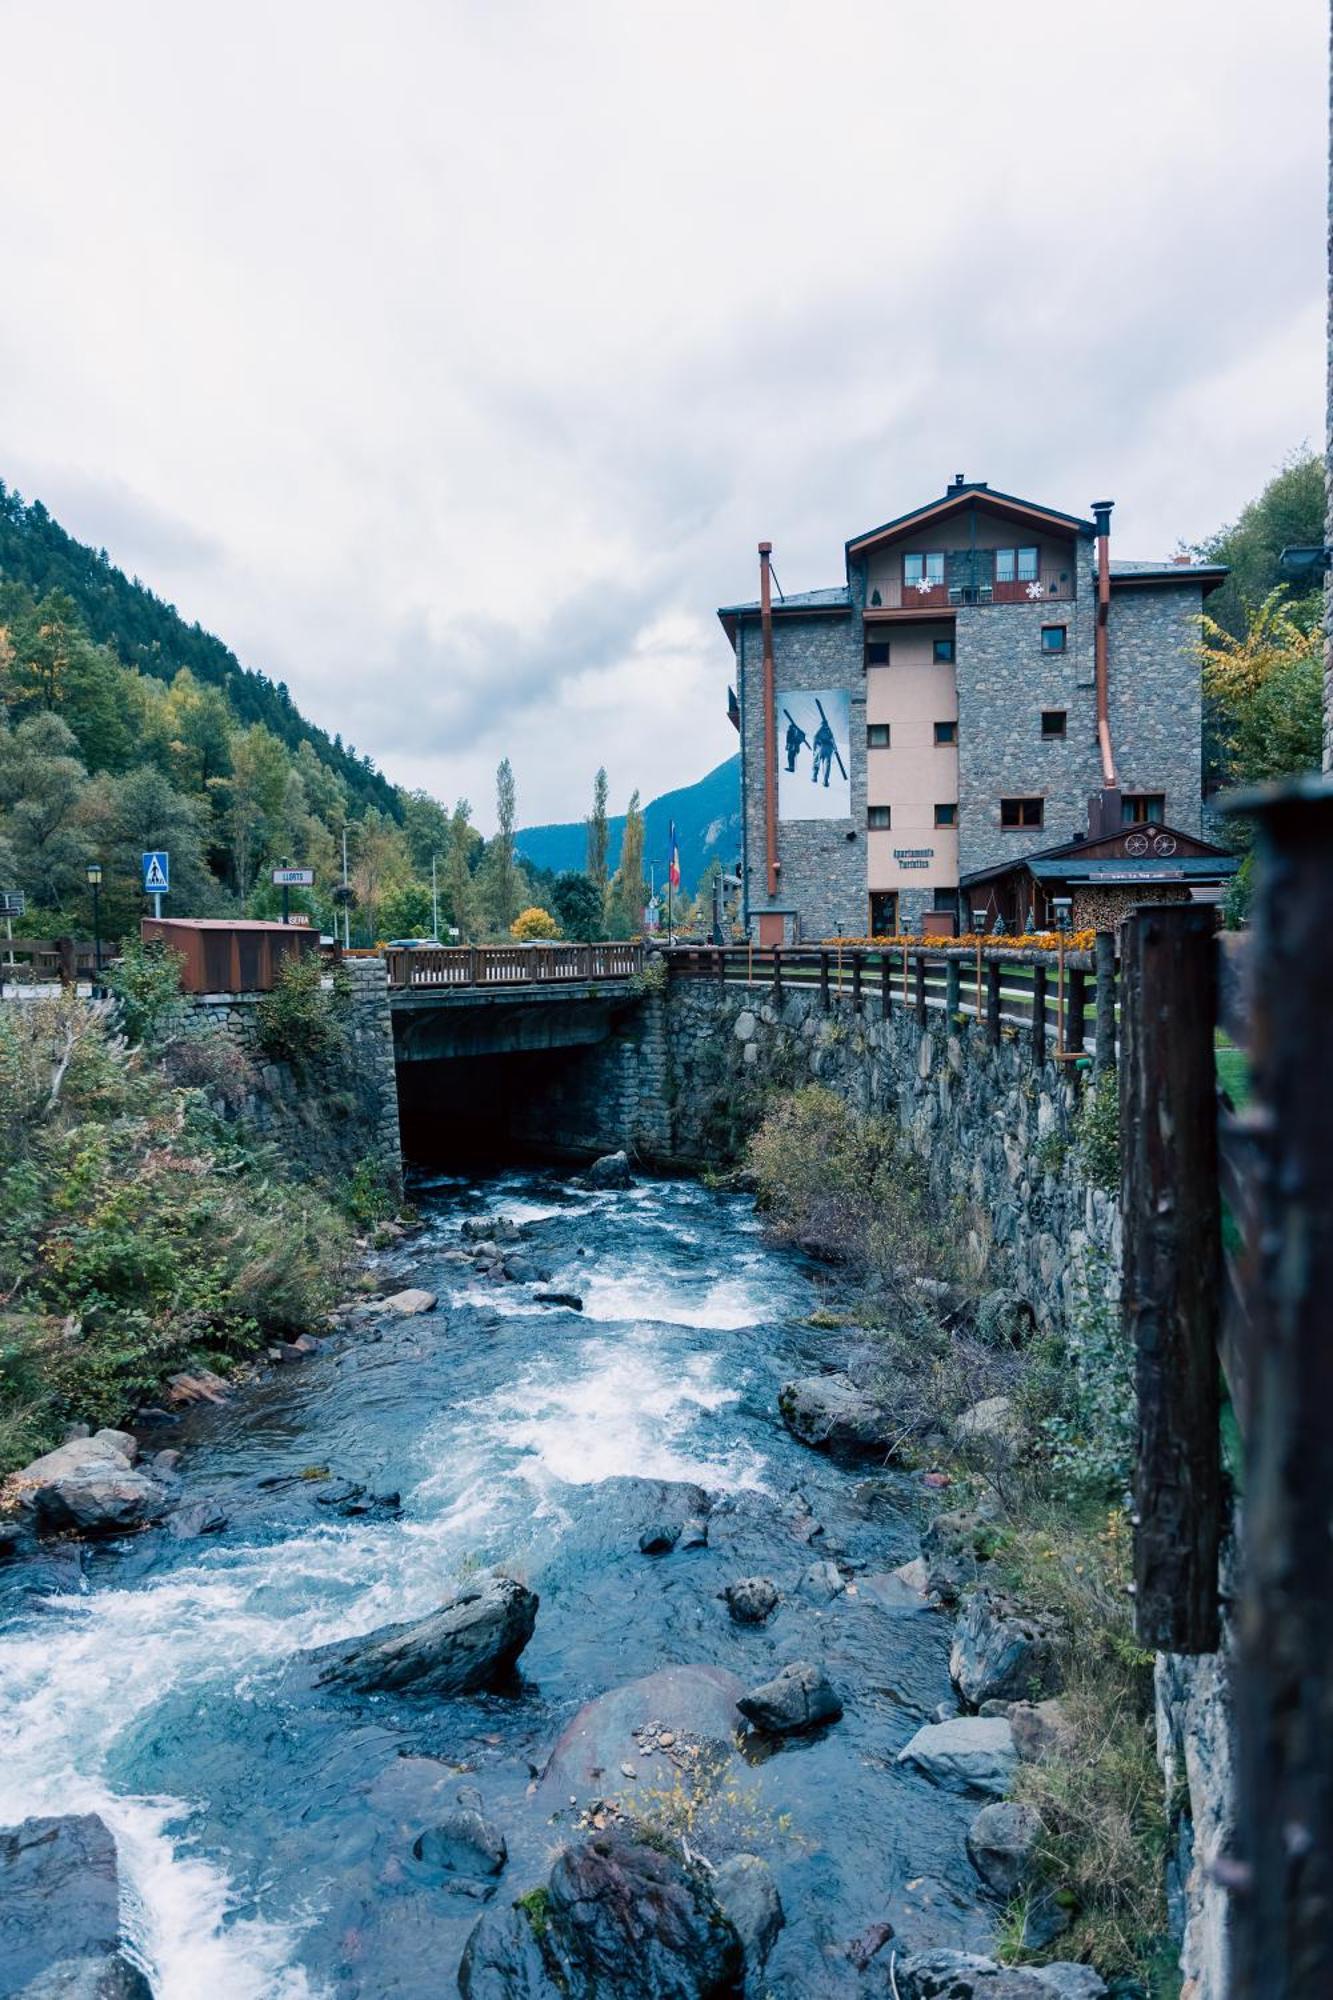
[1101, 514]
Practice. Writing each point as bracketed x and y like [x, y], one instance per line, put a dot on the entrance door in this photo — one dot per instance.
[884, 913]
[770, 930]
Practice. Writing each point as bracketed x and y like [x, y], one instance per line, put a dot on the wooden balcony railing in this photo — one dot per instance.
[505, 965]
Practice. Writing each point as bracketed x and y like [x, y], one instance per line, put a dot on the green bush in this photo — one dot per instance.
[146, 984]
[299, 1022]
[1097, 1133]
[368, 1196]
[138, 1234]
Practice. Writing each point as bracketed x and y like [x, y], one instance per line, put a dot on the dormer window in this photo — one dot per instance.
[1017, 565]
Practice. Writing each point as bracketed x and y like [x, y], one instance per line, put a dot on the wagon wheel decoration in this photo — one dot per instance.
[1136, 844]
[1165, 843]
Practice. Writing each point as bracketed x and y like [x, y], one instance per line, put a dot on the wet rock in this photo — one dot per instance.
[465, 1850]
[60, 1912]
[469, 1643]
[1041, 1729]
[411, 1302]
[611, 1171]
[569, 1300]
[800, 1697]
[694, 1707]
[822, 1582]
[201, 1517]
[751, 1599]
[659, 1509]
[748, 1897]
[991, 1421]
[829, 1413]
[165, 1464]
[961, 1975]
[490, 1229]
[693, 1533]
[887, 1589]
[1002, 1842]
[867, 1943]
[971, 1753]
[1001, 1653]
[659, 1540]
[952, 1550]
[615, 1917]
[1045, 1918]
[11, 1539]
[90, 1485]
[914, 1574]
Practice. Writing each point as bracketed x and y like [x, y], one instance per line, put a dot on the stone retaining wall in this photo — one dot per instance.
[343, 1110]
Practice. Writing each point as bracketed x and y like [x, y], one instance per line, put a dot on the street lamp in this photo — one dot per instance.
[94, 874]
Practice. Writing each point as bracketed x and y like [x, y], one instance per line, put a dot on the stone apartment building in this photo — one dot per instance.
[988, 683]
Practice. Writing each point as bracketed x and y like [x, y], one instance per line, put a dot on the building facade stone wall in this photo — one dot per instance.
[340, 1112]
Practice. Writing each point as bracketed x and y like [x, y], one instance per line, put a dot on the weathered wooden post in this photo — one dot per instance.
[1038, 1012]
[952, 990]
[919, 990]
[1283, 1937]
[1076, 1000]
[777, 975]
[885, 983]
[1106, 1033]
[823, 981]
[993, 975]
[1170, 1281]
[720, 967]
[857, 959]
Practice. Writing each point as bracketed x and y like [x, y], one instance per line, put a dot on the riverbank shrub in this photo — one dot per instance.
[302, 1021]
[139, 1233]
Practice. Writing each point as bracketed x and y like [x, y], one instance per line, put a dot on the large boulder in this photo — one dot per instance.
[972, 1753]
[830, 1413]
[411, 1302]
[751, 1599]
[1002, 1841]
[616, 1917]
[748, 1895]
[800, 1697]
[465, 1850]
[1001, 1653]
[611, 1171]
[91, 1486]
[649, 1725]
[60, 1913]
[469, 1643]
[953, 1545]
[961, 1975]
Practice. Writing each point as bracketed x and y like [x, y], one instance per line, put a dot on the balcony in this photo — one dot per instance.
[1049, 586]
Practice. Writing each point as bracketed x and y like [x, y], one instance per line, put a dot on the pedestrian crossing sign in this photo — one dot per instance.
[157, 873]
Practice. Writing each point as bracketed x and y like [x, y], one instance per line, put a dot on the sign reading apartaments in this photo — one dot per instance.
[914, 857]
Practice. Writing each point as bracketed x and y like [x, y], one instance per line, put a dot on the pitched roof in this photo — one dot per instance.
[810, 603]
[1085, 859]
[960, 497]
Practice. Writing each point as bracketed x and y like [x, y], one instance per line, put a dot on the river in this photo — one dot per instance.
[265, 1831]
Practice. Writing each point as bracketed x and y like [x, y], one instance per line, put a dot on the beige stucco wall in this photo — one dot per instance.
[915, 774]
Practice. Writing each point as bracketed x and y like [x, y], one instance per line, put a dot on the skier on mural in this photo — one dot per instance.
[825, 750]
[796, 739]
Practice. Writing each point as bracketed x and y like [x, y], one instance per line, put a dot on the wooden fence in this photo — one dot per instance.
[34, 960]
[1065, 1001]
[492, 966]
[1228, 1234]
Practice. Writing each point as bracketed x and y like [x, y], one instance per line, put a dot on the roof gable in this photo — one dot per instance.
[960, 499]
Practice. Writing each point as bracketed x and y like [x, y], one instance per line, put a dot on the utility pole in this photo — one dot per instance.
[346, 940]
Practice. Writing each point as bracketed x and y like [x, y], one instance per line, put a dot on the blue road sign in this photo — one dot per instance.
[157, 873]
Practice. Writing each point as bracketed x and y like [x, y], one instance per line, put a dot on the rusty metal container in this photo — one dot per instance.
[225, 956]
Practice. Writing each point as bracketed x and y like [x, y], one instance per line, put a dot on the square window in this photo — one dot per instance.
[943, 652]
[1053, 722]
[946, 732]
[924, 568]
[1021, 812]
[1027, 565]
[1054, 638]
[877, 736]
[1138, 807]
[879, 817]
[946, 815]
[877, 653]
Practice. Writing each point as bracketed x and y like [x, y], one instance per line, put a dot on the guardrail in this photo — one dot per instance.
[1064, 1000]
[454, 967]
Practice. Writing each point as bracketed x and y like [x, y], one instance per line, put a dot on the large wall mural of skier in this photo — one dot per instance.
[814, 755]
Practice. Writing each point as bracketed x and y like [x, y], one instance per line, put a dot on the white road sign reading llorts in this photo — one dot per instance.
[293, 878]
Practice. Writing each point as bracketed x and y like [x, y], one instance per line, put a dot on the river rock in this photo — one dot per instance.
[972, 1753]
[569, 1300]
[695, 1705]
[60, 1913]
[199, 1517]
[91, 1486]
[465, 1849]
[411, 1302]
[800, 1697]
[951, 1550]
[991, 1421]
[961, 1975]
[749, 1898]
[830, 1413]
[751, 1599]
[822, 1582]
[469, 1643]
[1001, 1653]
[659, 1512]
[611, 1171]
[616, 1917]
[1041, 1729]
[1002, 1842]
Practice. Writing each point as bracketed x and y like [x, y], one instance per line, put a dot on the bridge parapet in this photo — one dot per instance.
[509, 965]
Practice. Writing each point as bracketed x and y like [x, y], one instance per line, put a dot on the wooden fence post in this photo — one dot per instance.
[993, 974]
[823, 981]
[953, 999]
[1283, 1935]
[1171, 1267]
[1039, 1013]
[885, 983]
[857, 958]
[919, 990]
[1105, 1043]
[1076, 1000]
[777, 975]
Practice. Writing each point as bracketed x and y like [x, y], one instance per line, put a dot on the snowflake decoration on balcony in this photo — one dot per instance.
[924, 584]
[1034, 590]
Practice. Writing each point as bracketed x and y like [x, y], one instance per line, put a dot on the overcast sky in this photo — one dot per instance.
[448, 360]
